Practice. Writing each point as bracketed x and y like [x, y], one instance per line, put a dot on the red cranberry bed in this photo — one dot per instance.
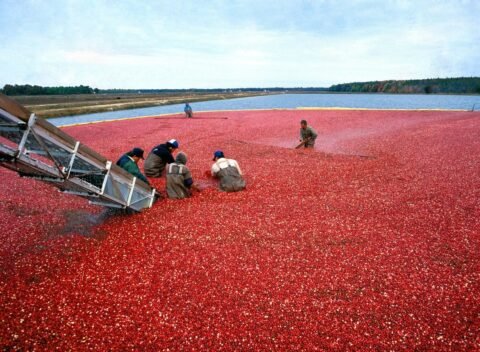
[368, 242]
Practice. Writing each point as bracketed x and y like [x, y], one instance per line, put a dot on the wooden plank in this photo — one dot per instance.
[14, 108]
[89, 153]
[56, 133]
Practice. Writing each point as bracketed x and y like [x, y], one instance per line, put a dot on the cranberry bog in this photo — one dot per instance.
[368, 242]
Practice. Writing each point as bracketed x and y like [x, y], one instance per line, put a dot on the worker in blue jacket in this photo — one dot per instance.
[159, 157]
[188, 110]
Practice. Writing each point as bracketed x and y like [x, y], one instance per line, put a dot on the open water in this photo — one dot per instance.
[293, 101]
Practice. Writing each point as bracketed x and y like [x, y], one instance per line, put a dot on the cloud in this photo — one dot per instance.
[235, 43]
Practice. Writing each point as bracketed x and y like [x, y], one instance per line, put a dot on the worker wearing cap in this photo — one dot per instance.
[179, 178]
[307, 135]
[129, 162]
[229, 173]
[159, 157]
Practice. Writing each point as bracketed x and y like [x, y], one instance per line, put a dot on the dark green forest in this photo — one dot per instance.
[459, 85]
[27, 89]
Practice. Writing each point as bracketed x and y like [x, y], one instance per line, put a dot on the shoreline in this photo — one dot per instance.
[60, 106]
[53, 106]
[253, 110]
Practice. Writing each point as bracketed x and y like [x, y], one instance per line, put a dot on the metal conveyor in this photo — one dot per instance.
[37, 149]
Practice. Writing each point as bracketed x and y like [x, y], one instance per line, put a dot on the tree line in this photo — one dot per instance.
[459, 85]
[27, 89]
[211, 90]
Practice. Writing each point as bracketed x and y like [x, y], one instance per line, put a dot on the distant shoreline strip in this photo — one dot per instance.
[160, 115]
[297, 108]
[374, 109]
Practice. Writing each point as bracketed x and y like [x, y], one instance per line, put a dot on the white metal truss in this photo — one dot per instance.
[34, 148]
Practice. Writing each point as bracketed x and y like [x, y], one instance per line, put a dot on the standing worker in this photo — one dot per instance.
[160, 156]
[179, 178]
[307, 135]
[229, 173]
[188, 110]
[129, 162]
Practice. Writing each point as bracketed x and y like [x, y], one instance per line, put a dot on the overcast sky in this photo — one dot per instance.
[235, 43]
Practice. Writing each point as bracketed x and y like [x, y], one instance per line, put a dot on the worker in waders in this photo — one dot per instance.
[159, 157]
[129, 162]
[179, 178]
[307, 135]
[228, 172]
[188, 110]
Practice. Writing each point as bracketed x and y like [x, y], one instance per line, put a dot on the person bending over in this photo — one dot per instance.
[159, 157]
[228, 172]
[188, 110]
[307, 135]
[129, 162]
[179, 178]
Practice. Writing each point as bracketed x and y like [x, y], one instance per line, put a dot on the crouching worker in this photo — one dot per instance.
[129, 162]
[188, 110]
[179, 178]
[159, 157]
[228, 172]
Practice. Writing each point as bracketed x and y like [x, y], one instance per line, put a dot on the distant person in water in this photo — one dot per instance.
[307, 135]
[129, 162]
[188, 110]
[159, 157]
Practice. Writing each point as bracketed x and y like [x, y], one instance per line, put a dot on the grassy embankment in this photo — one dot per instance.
[63, 105]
